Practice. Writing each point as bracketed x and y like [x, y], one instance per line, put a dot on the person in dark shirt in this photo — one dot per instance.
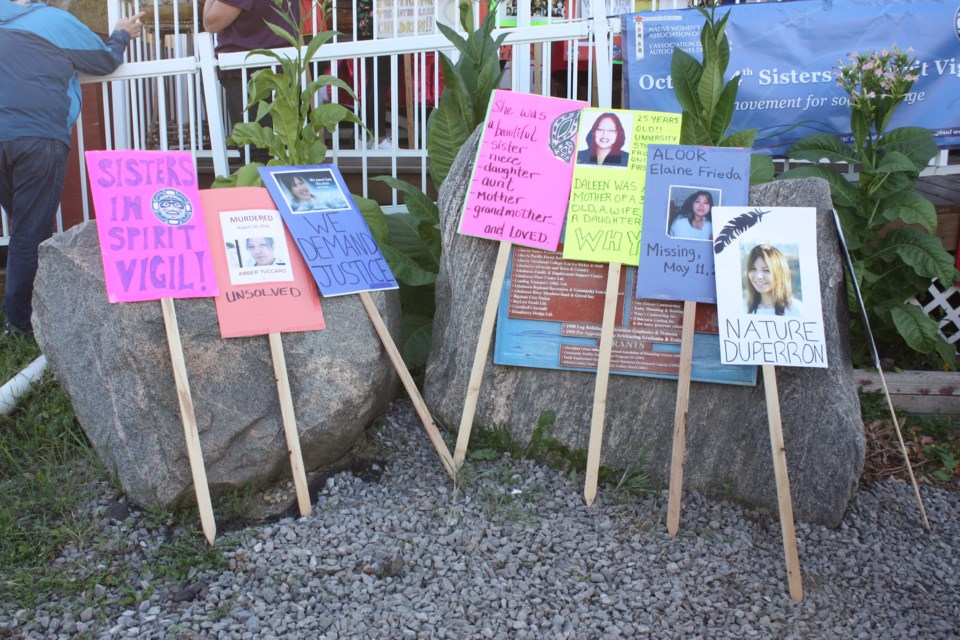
[241, 25]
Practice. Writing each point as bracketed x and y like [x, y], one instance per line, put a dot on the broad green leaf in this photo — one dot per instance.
[914, 142]
[685, 72]
[404, 235]
[374, 216]
[248, 176]
[761, 169]
[916, 328]
[723, 113]
[893, 161]
[405, 269]
[453, 36]
[911, 208]
[421, 207]
[282, 32]
[330, 114]
[823, 145]
[693, 132]
[447, 133]
[742, 139]
[245, 133]
[709, 89]
[317, 152]
[921, 251]
[417, 336]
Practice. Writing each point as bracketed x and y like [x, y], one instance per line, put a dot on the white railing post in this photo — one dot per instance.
[206, 61]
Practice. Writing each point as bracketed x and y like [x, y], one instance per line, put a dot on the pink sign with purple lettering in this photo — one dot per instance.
[521, 180]
[152, 234]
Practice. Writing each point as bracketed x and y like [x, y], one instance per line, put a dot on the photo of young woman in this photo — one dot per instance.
[605, 142]
[769, 283]
[693, 220]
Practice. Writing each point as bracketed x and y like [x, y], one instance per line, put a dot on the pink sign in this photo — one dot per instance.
[152, 233]
[521, 181]
[265, 285]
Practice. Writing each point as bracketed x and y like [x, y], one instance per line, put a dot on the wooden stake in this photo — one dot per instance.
[876, 362]
[680, 418]
[783, 483]
[603, 377]
[194, 453]
[903, 448]
[421, 407]
[480, 356]
[290, 424]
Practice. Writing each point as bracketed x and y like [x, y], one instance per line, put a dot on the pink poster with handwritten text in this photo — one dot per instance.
[152, 234]
[521, 180]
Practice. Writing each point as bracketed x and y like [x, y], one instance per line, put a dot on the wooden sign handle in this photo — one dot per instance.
[480, 356]
[680, 418]
[603, 378]
[200, 486]
[421, 407]
[290, 424]
[783, 482]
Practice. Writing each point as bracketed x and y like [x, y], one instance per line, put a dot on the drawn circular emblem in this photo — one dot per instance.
[956, 24]
[171, 207]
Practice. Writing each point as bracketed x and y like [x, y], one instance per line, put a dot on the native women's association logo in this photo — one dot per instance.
[171, 207]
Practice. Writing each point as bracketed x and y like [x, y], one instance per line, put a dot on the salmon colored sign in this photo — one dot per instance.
[521, 179]
[265, 286]
[152, 236]
[606, 199]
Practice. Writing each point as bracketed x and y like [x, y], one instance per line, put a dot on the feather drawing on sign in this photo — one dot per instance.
[735, 227]
[563, 135]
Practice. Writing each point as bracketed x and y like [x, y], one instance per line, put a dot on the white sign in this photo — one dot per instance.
[768, 286]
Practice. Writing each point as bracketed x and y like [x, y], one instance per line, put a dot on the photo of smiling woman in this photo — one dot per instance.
[769, 283]
[605, 142]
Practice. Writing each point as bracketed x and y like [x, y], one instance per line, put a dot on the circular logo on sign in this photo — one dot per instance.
[956, 23]
[171, 207]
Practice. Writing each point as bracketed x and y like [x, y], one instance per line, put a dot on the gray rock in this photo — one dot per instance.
[728, 444]
[114, 362]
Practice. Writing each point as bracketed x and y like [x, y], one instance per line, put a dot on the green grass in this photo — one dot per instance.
[49, 478]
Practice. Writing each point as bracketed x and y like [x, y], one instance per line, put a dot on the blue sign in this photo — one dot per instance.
[328, 228]
[684, 184]
[787, 54]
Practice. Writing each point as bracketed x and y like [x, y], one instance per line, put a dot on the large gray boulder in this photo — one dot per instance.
[114, 363]
[728, 442]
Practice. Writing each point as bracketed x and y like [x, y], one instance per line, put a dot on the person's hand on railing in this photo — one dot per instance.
[131, 25]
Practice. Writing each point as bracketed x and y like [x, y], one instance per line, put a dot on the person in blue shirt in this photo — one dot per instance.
[42, 48]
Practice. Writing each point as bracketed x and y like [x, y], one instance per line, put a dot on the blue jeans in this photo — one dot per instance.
[32, 171]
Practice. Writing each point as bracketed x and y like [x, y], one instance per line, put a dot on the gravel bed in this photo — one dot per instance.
[515, 553]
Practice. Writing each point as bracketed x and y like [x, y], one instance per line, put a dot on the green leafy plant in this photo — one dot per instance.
[412, 245]
[890, 229]
[297, 134]
[707, 103]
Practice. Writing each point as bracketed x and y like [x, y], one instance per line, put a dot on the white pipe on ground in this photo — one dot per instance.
[20, 384]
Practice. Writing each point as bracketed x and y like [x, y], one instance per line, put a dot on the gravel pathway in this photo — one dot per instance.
[516, 554]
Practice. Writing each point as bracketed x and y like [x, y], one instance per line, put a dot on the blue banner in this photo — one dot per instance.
[787, 54]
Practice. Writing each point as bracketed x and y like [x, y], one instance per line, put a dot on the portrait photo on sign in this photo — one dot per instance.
[605, 138]
[768, 286]
[771, 279]
[311, 190]
[256, 247]
[690, 214]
